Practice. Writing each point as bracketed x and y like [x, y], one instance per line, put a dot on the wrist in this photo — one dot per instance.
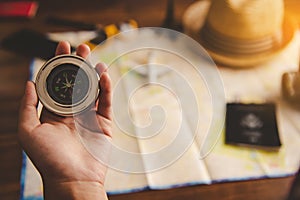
[83, 190]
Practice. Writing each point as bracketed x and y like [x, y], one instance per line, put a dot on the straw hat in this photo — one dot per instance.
[239, 33]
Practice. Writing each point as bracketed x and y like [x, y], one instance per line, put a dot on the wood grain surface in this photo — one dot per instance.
[14, 73]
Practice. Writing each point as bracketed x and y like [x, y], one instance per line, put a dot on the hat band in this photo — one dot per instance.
[219, 42]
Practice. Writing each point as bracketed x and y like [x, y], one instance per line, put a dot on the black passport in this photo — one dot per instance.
[252, 125]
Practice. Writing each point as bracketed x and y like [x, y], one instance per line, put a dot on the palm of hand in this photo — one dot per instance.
[64, 149]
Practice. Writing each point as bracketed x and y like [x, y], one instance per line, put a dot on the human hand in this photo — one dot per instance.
[55, 145]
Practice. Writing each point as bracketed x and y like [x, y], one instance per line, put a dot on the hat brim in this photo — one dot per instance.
[194, 21]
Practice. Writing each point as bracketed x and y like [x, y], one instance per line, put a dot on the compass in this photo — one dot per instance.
[67, 85]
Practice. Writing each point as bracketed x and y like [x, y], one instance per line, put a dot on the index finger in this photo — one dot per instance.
[63, 47]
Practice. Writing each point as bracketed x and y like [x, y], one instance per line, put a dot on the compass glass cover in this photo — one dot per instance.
[67, 84]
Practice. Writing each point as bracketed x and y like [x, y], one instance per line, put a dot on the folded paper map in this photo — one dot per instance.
[166, 131]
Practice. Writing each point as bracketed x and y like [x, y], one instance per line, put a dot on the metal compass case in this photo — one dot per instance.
[67, 85]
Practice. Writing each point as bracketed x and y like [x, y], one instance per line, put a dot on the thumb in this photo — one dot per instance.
[28, 117]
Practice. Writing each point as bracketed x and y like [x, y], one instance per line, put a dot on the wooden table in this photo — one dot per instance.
[14, 73]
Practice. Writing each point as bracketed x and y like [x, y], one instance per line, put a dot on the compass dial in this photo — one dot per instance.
[67, 84]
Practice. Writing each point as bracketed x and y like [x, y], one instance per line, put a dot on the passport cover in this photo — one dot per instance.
[252, 124]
